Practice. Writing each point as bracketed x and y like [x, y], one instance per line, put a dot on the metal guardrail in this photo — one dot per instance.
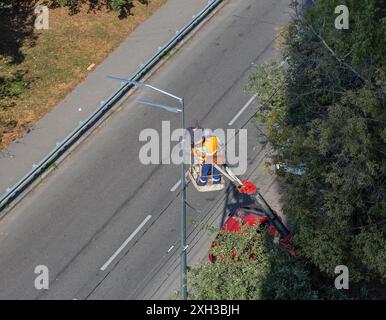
[106, 105]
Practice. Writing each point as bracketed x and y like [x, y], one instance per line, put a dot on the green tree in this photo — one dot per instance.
[249, 266]
[287, 277]
[324, 108]
[231, 277]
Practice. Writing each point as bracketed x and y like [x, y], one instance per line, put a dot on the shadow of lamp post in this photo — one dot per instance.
[183, 286]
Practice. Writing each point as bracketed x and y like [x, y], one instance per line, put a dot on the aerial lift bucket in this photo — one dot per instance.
[194, 174]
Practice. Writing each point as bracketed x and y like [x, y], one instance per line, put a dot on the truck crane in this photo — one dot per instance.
[248, 188]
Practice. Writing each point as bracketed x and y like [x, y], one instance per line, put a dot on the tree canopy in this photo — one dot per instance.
[324, 109]
[248, 266]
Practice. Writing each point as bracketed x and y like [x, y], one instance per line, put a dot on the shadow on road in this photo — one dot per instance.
[233, 201]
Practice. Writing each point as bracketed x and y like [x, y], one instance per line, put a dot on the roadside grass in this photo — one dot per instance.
[280, 36]
[58, 61]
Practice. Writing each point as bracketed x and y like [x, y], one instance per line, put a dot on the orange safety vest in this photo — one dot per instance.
[208, 150]
[198, 154]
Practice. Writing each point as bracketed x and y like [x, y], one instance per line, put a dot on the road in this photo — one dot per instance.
[102, 199]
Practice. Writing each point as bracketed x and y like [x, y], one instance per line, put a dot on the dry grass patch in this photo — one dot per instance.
[280, 37]
[58, 62]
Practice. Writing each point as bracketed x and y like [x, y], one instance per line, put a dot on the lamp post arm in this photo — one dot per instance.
[142, 84]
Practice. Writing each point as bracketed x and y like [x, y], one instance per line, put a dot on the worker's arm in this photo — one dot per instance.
[199, 154]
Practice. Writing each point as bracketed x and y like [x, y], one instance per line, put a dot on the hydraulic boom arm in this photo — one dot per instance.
[247, 187]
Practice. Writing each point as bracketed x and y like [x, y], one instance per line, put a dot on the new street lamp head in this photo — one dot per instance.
[143, 84]
[158, 105]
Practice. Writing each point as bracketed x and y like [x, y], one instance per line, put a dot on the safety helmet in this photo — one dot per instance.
[207, 133]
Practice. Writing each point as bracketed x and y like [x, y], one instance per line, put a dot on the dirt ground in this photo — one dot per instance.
[39, 67]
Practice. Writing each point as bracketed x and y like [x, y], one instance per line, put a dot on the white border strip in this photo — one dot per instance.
[174, 188]
[242, 110]
[125, 243]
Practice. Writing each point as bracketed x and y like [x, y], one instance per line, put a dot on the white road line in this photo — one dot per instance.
[170, 249]
[242, 110]
[174, 188]
[125, 243]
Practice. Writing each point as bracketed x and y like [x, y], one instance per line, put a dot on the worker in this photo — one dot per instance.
[207, 155]
[198, 137]
[193, 139]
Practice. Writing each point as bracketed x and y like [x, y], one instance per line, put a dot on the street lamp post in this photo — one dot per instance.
[184, 289]
[183, 280]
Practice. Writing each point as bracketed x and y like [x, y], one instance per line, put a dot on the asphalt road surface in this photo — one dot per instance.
[106, 225]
